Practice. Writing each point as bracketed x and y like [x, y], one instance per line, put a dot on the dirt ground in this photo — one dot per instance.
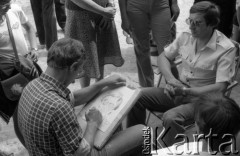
[8, 140]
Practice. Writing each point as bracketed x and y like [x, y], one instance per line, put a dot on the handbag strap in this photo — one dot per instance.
[12, 38]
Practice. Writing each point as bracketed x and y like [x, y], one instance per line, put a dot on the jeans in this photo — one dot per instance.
[45, 20]
[144, 16]
[175, 116]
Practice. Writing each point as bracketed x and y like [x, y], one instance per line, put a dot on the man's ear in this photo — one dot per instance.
[74, 66]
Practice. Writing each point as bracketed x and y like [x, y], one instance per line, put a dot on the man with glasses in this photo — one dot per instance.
[207, 66]
[227, 11]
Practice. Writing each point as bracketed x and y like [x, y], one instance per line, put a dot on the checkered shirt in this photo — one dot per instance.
[47, 120]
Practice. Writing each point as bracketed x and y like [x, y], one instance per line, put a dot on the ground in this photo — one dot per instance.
[8, 140]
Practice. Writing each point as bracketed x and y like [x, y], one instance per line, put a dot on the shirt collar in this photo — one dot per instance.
[212, 43]
[59, 87]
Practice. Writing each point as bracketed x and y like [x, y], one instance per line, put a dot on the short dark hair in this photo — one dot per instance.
[217, 112]
[210, 11]
[64, 52]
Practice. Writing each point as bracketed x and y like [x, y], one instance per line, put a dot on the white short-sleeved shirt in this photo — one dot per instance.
[211, 64]
[17, 18]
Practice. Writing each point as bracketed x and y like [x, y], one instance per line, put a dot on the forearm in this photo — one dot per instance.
[83, 95]
[217, 87]
[174, 2]
[123, 9]
[165, 67]
[31, 35]
[90, 133]
[238, 14]
[89, 5]
[87, 141]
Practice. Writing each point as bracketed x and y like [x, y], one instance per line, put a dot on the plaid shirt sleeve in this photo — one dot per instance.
[67, 130]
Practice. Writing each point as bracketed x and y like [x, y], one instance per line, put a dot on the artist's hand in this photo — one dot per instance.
[109, 12]
[114, 81]
[94, 116]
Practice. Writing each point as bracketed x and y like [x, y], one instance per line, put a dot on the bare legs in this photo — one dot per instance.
[85, 81]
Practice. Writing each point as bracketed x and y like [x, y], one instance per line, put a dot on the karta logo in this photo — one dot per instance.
[151, 146]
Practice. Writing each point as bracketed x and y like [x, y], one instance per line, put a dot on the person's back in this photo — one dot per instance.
[42, 100]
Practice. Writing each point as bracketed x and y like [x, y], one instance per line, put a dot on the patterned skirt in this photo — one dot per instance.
[101, 46]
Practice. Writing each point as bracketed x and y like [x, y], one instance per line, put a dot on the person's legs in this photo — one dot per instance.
[49, 22]
[140, 24]
[120, 142]
[60, 13]
[175, 119]
[152, 99]
[160, 25]
[37, 14]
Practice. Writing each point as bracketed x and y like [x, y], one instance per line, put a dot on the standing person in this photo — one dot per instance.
[45, 21]
[46, 118]
[227, 11]
[18, 21]
[140, 17]
[84, 21]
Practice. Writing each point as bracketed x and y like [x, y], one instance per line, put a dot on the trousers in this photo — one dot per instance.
[45, 21]
[177, 113]
[144, 16]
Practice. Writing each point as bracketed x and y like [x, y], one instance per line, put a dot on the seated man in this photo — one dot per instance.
[215, 116]
[46, 120]
[207, 66]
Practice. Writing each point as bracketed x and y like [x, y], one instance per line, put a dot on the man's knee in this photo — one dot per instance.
[170, 119]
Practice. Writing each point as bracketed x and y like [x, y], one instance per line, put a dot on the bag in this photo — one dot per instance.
[8, 84]
[26, 69]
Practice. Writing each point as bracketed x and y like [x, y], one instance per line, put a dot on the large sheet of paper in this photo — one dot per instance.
[113, 104]
[109, 103]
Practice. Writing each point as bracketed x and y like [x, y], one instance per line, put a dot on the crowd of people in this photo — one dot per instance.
[44, 119]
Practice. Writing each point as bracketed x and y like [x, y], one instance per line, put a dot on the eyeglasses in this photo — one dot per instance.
[194, 23]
